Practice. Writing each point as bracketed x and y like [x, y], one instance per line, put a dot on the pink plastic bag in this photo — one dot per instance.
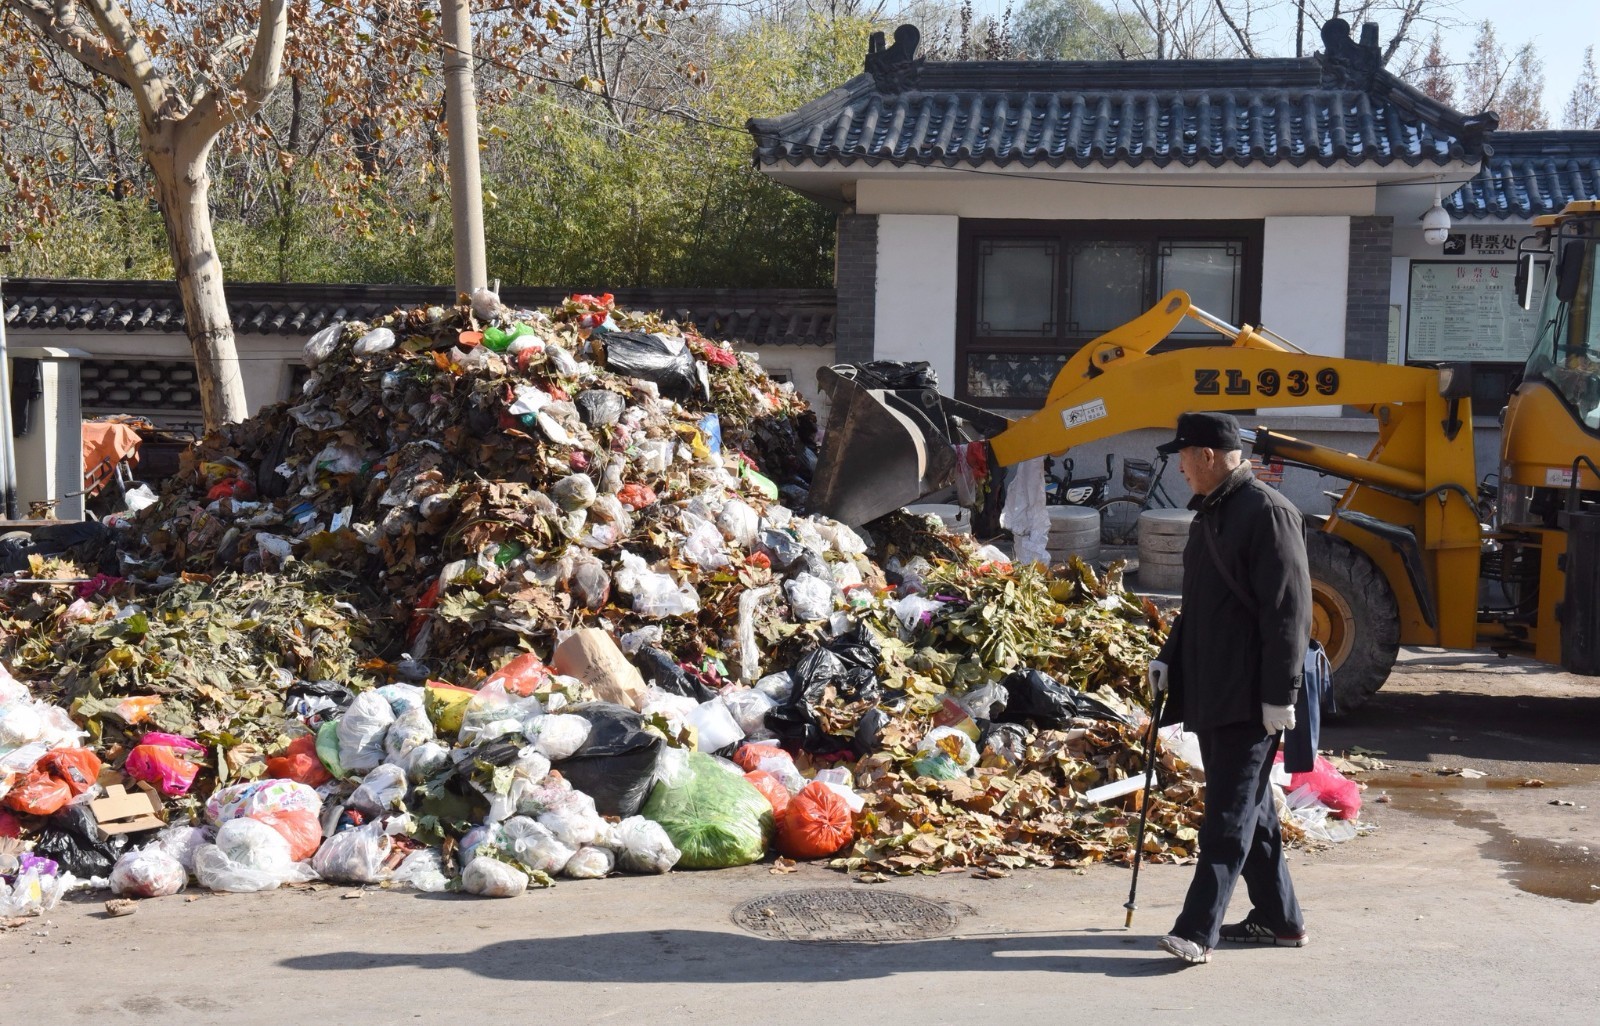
[159, 760]
[1331, 789]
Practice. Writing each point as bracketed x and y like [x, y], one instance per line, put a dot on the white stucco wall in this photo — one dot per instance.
[915, 314]
[1305, 273]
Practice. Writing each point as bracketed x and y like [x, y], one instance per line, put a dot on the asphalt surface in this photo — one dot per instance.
[1473, 898]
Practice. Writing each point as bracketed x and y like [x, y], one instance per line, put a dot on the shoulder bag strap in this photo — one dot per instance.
[1227, 577]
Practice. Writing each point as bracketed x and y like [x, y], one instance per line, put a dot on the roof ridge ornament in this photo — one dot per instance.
[1348, 62]
[895, 68]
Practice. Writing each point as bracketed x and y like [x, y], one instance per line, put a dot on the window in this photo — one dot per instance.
[1032, 293]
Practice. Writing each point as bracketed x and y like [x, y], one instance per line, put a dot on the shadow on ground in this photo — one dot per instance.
[1457, 725]
[705, 956]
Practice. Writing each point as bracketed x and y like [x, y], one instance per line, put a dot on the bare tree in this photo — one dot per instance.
[1583, 106]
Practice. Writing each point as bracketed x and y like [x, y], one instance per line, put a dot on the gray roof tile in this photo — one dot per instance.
[1531, 173]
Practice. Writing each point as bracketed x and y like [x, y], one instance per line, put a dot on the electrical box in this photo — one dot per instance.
[47, 429]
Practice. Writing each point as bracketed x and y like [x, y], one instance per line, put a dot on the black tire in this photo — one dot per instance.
[1354, 615]
[1119, 521]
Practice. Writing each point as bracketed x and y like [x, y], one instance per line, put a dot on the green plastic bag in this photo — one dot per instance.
[498, 340]
[716, 818]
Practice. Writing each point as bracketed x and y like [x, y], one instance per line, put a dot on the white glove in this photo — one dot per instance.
[1157, 676]
[1277, 718]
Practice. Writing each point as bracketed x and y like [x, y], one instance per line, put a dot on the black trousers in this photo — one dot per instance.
[1239, 837]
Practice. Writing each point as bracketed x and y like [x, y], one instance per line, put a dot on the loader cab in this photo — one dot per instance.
[1566, 352]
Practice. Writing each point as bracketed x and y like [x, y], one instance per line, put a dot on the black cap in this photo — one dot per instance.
[1207, 430]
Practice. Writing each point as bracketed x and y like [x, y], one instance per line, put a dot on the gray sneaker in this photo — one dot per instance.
[1188, 950]
[1248, 931]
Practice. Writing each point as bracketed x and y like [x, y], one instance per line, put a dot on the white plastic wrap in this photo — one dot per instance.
[590, 863]
[654, 594]
[150, 872]
[248, 856]
[738, 523]
[382, 790]
[1024, 513]
[642, 846]
[491, 878]
[702, 544]
[560, 736]
[810, 598]
[362, 730]
[354, 855]
[31, 893]
[423, 871]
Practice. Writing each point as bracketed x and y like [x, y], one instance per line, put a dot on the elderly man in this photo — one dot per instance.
[1234, 667]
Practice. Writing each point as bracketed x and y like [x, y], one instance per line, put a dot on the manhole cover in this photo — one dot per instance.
[842, 914]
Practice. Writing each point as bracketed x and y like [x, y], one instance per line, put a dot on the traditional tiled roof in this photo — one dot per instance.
[1531, 173]
[797, 317]
[1336, 108]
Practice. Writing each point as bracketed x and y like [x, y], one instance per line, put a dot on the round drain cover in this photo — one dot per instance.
[844, 914]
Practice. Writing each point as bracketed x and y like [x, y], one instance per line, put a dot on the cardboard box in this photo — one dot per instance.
[591, 656]
[125, 812]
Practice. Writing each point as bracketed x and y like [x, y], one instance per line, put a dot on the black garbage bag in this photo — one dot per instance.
[317, 701]
[898, 374]
[662, 671]
[617, 764]
[72, 840]
[847, 663]
[1032, 695]
[869, 732]
[598, 407]
[635, 354]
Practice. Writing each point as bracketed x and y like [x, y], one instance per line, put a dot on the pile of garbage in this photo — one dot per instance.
[505, 596]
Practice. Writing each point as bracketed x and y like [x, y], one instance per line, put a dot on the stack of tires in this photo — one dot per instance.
[1162, 535]
[1074, 531]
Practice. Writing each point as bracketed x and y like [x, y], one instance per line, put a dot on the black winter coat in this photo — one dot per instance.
[1228, 660]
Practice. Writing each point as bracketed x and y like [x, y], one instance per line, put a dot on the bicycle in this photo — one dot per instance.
[1067, 490]
[1119, 517]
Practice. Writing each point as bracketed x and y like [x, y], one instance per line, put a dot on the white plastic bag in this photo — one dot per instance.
[559, 736]
[749, 708]
[409, 729]
[1024, 512]
[714, 726]
[493, 712]
[423, 871]
[703, 544]
[738, 523]
[534, 846]
[528, 771]
[355, 855]
[322, 344]
[491, 878]
[150, 872]
[362, 731]
[575, 823]
[382, 790]
[181, 841]
[33, 891]
[248, 856]
[590, 863]
[642, 846]
[375, 341]
[810, 598]
[425, 761]
[654, 594]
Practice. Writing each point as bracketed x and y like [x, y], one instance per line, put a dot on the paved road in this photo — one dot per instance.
[1474, 900]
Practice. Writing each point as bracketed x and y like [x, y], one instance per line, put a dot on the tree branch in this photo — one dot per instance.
[70, 37]
[150, 88]
[1244, 40]
[217, 110]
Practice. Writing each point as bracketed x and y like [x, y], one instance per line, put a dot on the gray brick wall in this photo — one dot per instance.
[855, 280]
[1366, 315]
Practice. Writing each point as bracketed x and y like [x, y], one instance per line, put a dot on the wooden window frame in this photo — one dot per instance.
[974, 231]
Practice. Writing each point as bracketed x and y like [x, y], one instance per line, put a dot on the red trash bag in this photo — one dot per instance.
[39, 794]
[1330, 788]
[774, 792]
[749, 756]
[816, 824]
[9, 827]
[300, 827]
[159, 760]
[522, 676]
[299, 763]
[78, 768]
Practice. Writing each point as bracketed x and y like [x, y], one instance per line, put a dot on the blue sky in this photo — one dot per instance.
[1559, 29]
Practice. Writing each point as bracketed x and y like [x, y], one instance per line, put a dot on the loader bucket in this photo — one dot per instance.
[884, 448]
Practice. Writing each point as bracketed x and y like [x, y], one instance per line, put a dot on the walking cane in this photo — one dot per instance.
[1144, 807]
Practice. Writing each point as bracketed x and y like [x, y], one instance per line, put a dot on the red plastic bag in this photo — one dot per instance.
[1330, 788]
[299, 763]
[749, 756]
[775, 793]
[9, 827]
[39, 794]
[78, 768]
[816, 824]
[159, 759]
[299, 827]
[523, 675]
[636, 496]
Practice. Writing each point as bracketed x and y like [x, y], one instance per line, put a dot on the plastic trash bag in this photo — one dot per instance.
[316, 702]
[321, 345]
[1032, 695]
[149, 872]
[409, 729]
[1024, 512]
[560, 736]
[780, 547]
[662, 359]
[946, 753]
[299, 762]
[181, 841]
[533, 845]
[425, 761]
[402, 698]
[575, 491]
[248, 856]
[772, 790]
[810, 598]
[575, 825]
[816, 824]
[749, 708]
[491, 878]
[715, 818]
[377, 340]
[642, 846]
[354, 855]
[660, 670]
[1003, 745]
[528, 771]
[494, 712]
[261, 796]
[617, 762]
[655, 594]
[590, 863]
[599, 407]
[71, 839]
[1330, 788]
[37, 888]
[362, 730]
[302, 829]
[898, 374]
[423, 871]
[848, 663]
[715, 728]
[159, 759]
[382, 790]
[702, 545]
[738, 523]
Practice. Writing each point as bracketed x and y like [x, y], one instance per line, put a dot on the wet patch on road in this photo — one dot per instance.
[842, 914]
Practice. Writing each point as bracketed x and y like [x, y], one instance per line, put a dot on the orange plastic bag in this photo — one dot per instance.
[39, 794]
[816, 824]
[78, 768]
[749, 756]
[774, 792]
[521, 676]
[299, 827]
[299, 763]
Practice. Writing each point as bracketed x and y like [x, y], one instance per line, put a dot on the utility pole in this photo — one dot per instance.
[1300, 29]
[461, 119]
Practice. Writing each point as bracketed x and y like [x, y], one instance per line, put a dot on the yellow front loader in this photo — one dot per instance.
[1398, 561]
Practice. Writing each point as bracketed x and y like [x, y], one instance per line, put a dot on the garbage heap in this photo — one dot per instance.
[510, 595]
